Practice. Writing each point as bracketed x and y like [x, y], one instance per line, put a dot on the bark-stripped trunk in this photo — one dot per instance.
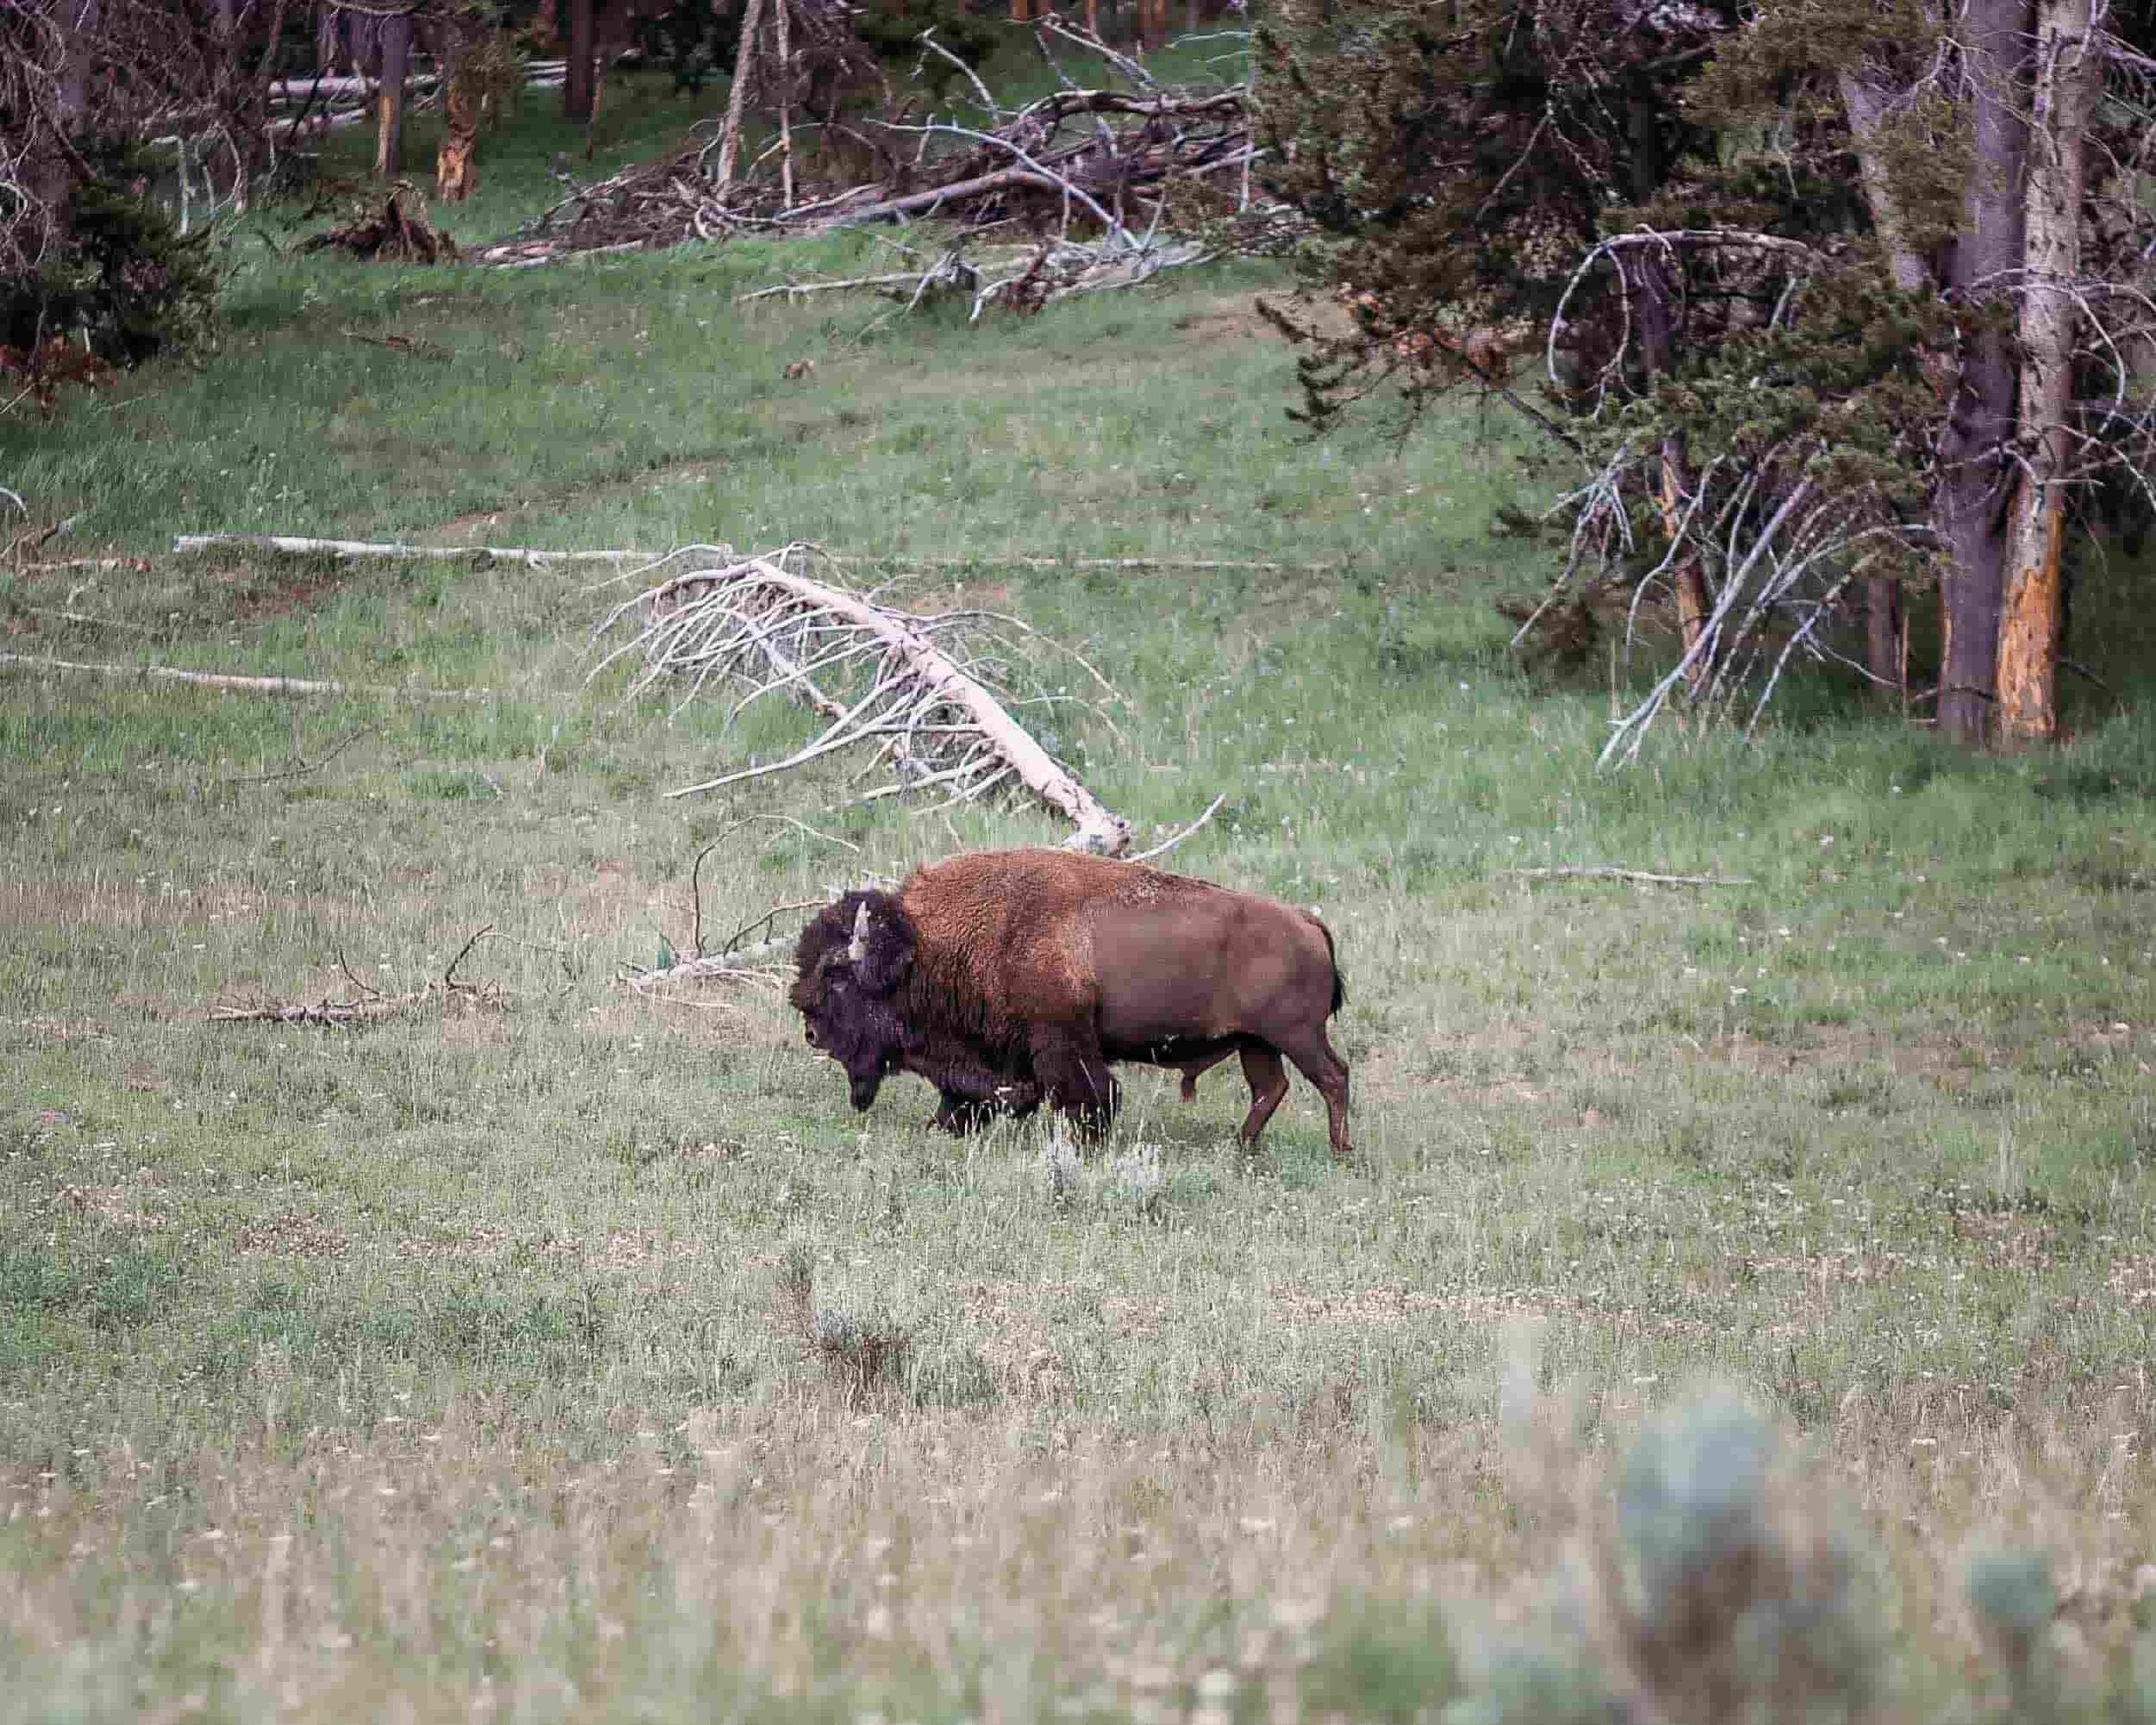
[1972, 496]
[456, 162]
[389, 135]
[2066, 82]
[1866, 100]
[737, 97]
[577, 91]
[785, 105]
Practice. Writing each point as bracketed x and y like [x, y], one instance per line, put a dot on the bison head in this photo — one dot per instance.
[848, 963]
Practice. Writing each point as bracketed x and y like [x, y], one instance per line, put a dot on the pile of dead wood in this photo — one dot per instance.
[394, 234]
[1086, 166]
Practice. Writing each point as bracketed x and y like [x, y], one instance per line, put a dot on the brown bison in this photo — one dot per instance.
[1010, 978]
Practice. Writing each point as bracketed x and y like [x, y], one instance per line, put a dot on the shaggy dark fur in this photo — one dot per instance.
[1009, 978]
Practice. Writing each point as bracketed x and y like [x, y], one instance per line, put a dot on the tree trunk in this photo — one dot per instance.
[737, 97]
[389, 136]
[1972, 496]
[1657, 353]
[2067, 75]
[1865, 100]
[52, 178]
[456, 162]
[577, 91]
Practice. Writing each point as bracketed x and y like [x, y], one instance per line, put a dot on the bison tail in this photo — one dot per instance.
[1339, 983]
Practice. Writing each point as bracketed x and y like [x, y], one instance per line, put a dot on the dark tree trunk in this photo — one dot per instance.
[577, 93]
[1973, 497]
[52, 175]
[389, 136]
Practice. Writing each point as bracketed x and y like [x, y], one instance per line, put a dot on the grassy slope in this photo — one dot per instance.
[442, 1359]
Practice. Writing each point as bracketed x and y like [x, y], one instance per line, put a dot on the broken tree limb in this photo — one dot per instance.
[1174, 839]
[1638, 874]
[880, 676]
[370, 1004]
[536, 557]
[366, 547]
[222, 680]
[745, 962]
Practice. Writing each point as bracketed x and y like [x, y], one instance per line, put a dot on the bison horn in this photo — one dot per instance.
[857, 949]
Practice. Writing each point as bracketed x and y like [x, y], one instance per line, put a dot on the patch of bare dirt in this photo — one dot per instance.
[608, 898]
[111, 904]
[2133, 1278]
[281, 587]
[116, 1207]
[1236, 317]
[62, 1030]
[1014, 1342]
[2007, 1240]
[293, 1236]
[1927, 1055]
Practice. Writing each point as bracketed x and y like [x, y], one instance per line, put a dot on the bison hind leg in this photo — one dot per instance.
[1316, 1058]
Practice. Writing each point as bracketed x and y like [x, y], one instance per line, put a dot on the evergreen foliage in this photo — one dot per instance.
[1776, 260]
[124, 278]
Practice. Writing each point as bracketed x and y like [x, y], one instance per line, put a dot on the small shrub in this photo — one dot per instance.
[861, 1353]
[1136, 1182]
[2011, 1598]
[1060, 1169]
[1731, 1594]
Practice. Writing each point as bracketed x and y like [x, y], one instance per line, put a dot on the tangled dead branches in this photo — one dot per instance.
[1095, 174]
[369, 1004]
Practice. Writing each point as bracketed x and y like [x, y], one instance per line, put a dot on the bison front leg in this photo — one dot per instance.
[1268, 1080]
[1075, 1076]
[963, 1112]
[960, 1116]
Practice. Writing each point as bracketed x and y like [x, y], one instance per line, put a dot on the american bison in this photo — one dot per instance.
[1014, 977]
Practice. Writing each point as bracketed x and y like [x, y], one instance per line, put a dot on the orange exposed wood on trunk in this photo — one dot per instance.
[456, 162]
[2029, 629]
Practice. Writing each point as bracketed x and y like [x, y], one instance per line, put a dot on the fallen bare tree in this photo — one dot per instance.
[892, 682]
[534, 558]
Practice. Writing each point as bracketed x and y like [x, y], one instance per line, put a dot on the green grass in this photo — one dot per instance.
[448, 1364]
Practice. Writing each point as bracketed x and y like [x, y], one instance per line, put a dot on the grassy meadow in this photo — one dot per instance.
[578, 1354]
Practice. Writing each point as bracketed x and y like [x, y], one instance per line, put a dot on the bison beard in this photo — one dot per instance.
[1010, 978]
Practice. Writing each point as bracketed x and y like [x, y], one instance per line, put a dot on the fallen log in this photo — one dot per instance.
[537, 558]
[223, 680]
[912, 202]
[1638, 876]
[366, 547]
